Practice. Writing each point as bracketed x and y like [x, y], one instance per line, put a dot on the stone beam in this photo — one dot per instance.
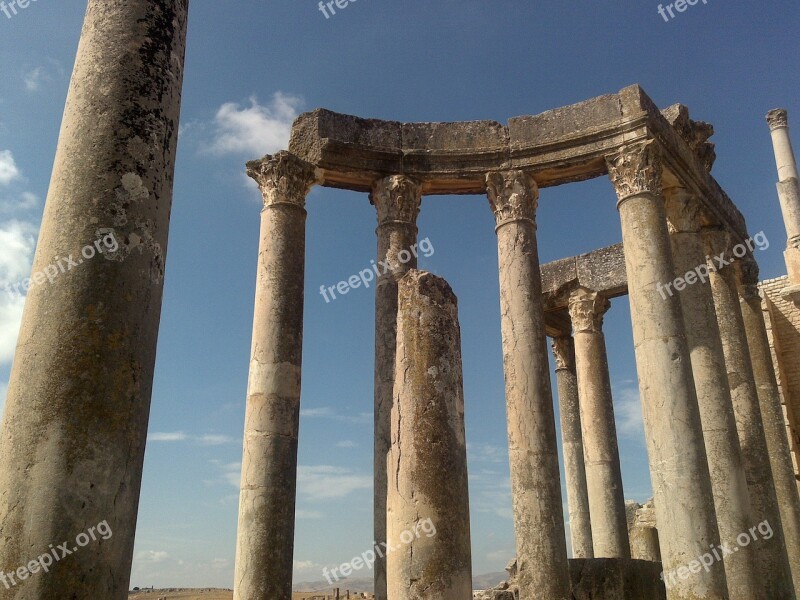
[559, 146]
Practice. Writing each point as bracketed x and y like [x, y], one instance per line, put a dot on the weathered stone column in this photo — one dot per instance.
[265, 539]
[678, 466]
[643, 531]
[601, 452]
[535, 477]
[78, 400]
[428, 499]
[728, 480]
[770, 554]
[771, 414]
[580, 526]
[397, 199]
[788, 192]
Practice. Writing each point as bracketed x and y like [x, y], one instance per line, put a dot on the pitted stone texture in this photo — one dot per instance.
[724, 454]
[427, 461]
[265, 539]
[771, 555]
[580, 526]
[643, 531]
[397, 200]
[673, 431]
[78, 400]
[535, 476]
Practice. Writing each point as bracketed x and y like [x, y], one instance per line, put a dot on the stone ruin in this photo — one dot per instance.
[717, 446]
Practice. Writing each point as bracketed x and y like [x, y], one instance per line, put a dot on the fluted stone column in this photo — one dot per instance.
[788, 190]
[265, 539]
[397, 200]
[678, 466]
[600, 448]
[771, 414]
[535, 478]
[428, 499]
[771, 555]
[728, 479]
[580, 526]
[78, 400]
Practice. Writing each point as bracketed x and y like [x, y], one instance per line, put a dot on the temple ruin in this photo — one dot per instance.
[719, 390]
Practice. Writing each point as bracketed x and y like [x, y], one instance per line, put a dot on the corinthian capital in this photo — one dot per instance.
[282, 178]
[587, 309]
[778, 118]
[513, 196]
[397, 199]
[564, 352]
[635, 169]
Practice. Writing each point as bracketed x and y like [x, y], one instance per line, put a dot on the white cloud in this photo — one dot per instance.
[17, 243]
[346, 444]
[174, 436]
[304, 565]
[256, 129]
[34, 79]
[152, 556]
[323, 482]
[628, 412]
[326, 412]
[308, 514]
[211, 439]
[8, 167]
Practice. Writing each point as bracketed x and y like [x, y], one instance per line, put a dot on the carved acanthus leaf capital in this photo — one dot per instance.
[778, 118]
[397, 199]
[564, 352]
[635, 169]
[283, 178]
[587, 309]
[513, 196]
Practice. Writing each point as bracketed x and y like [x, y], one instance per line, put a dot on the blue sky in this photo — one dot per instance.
[252, 65]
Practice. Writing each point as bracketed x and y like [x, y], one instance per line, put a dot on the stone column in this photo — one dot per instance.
[678, 466]
[78, 401]
[600, 449]
[265, 539]
[643, 531]
[770, 554]
[771, 414]
[535, 477]
[428, 499]
[397, 200]
[580, 526]
[788, 192]
[728, 480]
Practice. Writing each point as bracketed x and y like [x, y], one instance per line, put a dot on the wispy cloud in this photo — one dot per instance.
[256, 129]
[628, 412]
[152, 556]
[8, 168]
[35, 78]
[324, 482]
[209, 439]
[326, 412]
[17, 243]
[346, 444]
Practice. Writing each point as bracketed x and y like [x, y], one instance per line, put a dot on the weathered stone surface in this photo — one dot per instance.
[643, 531]
[673, 431]
[428, 456]
[397, 202]
[535, 476]
[265, 539]
[78, 400]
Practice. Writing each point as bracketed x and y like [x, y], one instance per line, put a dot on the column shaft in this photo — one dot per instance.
[788, 191]
[580, 526]
[678, 466]
[725, 464]
[773, 418]
[397, 201]
[78, 401]
[265, 540]
[600, 448]
[770, 554]
[428, 499]
[535, 478]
